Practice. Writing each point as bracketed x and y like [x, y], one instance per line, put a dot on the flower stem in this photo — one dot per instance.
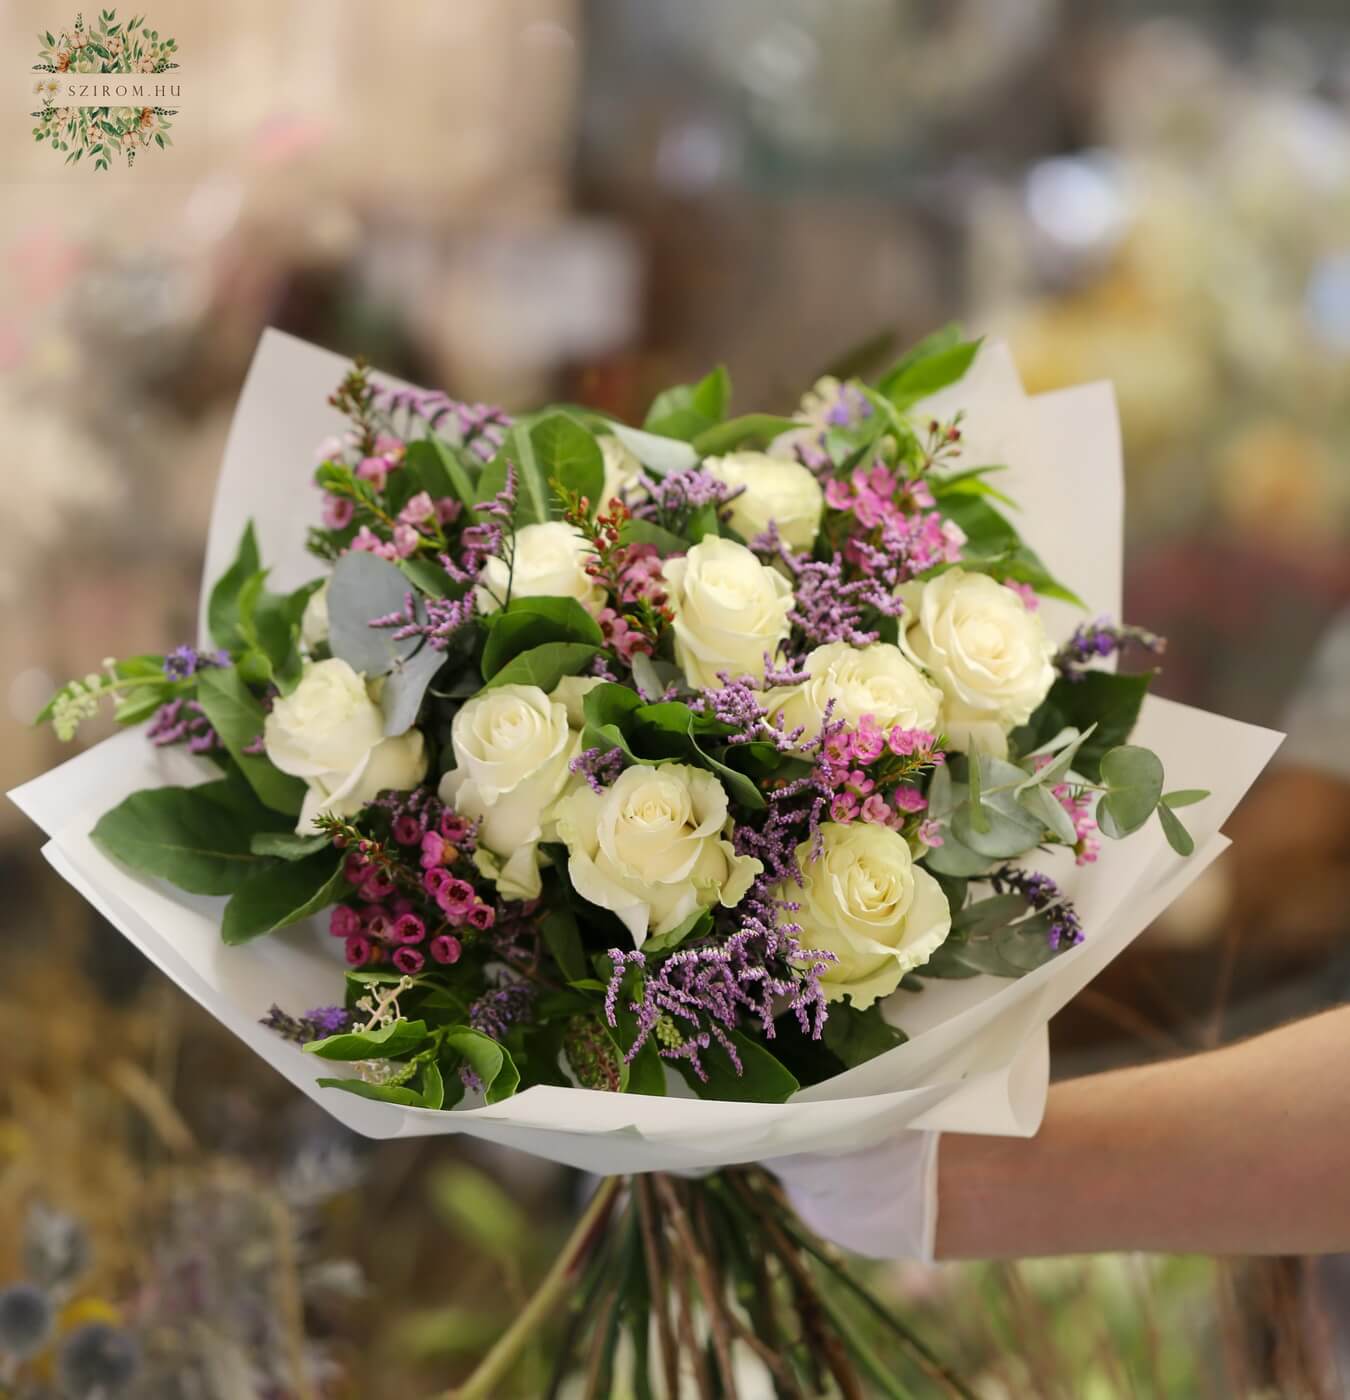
[495, 1366]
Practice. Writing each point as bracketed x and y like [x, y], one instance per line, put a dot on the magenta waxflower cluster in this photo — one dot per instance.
[901, 535]
[386, 924]
[870, 771]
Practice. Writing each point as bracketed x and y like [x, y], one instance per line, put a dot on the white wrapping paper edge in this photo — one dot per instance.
[977, 1058]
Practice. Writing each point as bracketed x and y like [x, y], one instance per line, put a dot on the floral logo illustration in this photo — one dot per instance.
[125, 63]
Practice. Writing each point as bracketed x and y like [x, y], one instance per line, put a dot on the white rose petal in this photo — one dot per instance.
[622, 470]
[775, 491]
[396, 764]
[730, 611]
[986, 650]
[314, 620]
[328, 724]
[875, 680]
[654, 847]
[864, 900]
[549, 561]
[512, 746]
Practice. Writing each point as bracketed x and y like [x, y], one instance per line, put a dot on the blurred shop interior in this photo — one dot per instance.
[519, 200]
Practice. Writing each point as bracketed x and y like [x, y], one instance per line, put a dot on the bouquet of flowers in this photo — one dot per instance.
[659, 799]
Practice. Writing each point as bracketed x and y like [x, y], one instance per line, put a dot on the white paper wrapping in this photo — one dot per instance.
[976, 1060]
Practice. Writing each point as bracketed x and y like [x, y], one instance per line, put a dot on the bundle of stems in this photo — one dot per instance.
[672, 1288]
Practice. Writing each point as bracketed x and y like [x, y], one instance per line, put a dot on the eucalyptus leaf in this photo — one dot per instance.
[406, 686]
[365, 587]
[1184, 797]
[1050, 811]
[1134, 782]
[1180, 840]
[954, 858]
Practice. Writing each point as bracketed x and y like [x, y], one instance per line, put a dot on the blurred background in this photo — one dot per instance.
[519, 200]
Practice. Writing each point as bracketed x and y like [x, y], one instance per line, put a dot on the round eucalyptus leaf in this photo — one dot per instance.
[1134, 782]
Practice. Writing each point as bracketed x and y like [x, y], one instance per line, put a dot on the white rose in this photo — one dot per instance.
[987, 651]
[327, 724]
[864, 900]
[730, 610]
[330, 732]
[314, 620]
[622, 469]
[550, 561]
[875, 680]
[776, 491]
[654, 848]
[396, 764]
[512, 747]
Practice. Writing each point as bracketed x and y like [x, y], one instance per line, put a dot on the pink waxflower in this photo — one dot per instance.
[436, 850]
[930, 833]
[867, 742]
[909, 799]
[419, 509]
[355, 868]
[406, 540]
[343, 922]
[446, 948]
[375, 470]
[838, 748]
[875, 809]
[337, 511]
[481, 917]
[376, 886]
[409, 960]
[448, 510]
[407, 830]
[1025, 592]
[860, 783]
[843, 807]
[368, 542]
[436, 881]
[377, 922]
[408, 928]
[838, 496]
[357, 950]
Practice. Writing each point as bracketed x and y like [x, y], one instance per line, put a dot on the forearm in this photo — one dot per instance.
[1244, 1150]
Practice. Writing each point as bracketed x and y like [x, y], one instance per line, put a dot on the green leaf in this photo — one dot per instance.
[569, 454]
[432, 1084]
[1180, 840]
[979, 821]
[1184, 797]
[222, 609]
[488, 1059]
[986, 916]
[660, 455]
[192, 837]
[1005, 828]
[286, 845]
[765, 1079]
[534, 500]
[935, 362]
[399, 1037]
[645, 532]
[527, 623]
[406, 686]
[970, 482]
[695, 926]
[670, 729]
[1103, 698]
[381, 1093]
[281, 895]
[544, 666]
[756, 429]
[690, 409]
[1134, 783]
[1049, 810]
[858, 1036]
[954, 858]
[429, 577]
[562, 938]
[238, 718]
[440, 472]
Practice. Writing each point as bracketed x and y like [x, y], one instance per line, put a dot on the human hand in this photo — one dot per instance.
[880, 1202]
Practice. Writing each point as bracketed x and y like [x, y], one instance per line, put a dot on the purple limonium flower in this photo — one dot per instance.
[1092, 641]
[600, 767]
[186, 661]
[1043, 896]
[183, 721]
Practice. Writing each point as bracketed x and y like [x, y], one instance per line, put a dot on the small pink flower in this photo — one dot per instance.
[436, 880]
[355, 868]
[418, 510]
[837, 495]
[447, 510]
[453, 827]
[378, 924]
[407, 831]
[409, 960]
[838, 749]
[1025, 592]
[481, 917]
[930, 833]
[390, 448]
[901, 741]
[434, 850]
[909, 799]
[860, 783]
[374, 470]
[377, 886]
[357, 950]
[408, 928]
[446, 948]
[368, 542]
[875, 809]
[868, 742]
[343, 922]
[406, 540]
[337, 511]
[844, 807]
